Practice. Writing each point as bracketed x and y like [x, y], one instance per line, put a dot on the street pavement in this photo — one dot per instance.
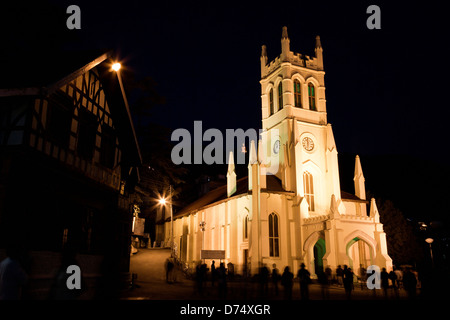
[150, 284]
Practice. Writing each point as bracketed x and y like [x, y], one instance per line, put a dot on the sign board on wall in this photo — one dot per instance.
[212, 254]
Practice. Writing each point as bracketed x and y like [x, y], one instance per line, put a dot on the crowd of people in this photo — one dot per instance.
[278, 284]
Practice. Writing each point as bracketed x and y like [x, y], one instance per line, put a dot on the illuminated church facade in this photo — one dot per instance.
[290, 208]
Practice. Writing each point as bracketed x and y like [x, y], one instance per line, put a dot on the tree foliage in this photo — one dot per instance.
[402, 243]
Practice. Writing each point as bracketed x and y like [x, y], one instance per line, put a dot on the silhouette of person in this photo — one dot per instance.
[324, 285]
[409, 283]
[304, 278]
[287, 282]
[384, 276]
[328, 274]
[339, 275]
[264, 279]
[275, 278]
[213, 272]
[12, 275]
[393, 277]
[347, 275]
[199, 278]
[222, 280]
[169, 270]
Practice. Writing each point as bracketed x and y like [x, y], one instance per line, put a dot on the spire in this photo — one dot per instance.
[358, 178]
[331, 144]
[263, 61]
[319, 53]
[285, 49]
[374, 210]
[264, 51]
[231, 176]
[284, 33]
[318, 44]
[334, 209]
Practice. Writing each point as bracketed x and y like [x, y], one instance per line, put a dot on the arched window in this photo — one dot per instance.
[272, 111]
[297, 94]
[308, 189]
[274, 240]
[280, 96]
[245, 227]
[312, 97]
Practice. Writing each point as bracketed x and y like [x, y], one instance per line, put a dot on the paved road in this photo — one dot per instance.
[151, 283]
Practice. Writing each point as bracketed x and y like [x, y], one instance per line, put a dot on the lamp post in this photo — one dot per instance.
[430, 241]
[163, 201]
[202, 227]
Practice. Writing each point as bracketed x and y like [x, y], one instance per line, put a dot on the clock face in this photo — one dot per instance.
[276, 147]
[308, 144]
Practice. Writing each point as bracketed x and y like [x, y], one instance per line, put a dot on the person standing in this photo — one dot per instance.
[12, 275]
[287, 282]
[384, 282]
[304, 278]
[275, 278]
[339, 276]
[410, 283]
[213, 273]
[347, 275]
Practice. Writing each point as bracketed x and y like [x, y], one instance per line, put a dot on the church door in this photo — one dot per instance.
[319, 252]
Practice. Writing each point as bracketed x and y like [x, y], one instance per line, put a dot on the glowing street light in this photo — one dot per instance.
[164, 201]
[116, 66]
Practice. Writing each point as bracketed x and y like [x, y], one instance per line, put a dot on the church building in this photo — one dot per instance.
[290, 209]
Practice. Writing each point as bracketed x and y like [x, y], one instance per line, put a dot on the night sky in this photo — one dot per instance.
[386, 89]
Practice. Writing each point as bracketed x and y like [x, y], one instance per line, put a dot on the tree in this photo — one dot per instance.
[403, 246]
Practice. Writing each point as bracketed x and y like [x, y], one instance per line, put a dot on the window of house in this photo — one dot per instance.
[297, 94]
[280, 96]
[274, 240]
[272, 111]
[309, 189]
[312, 97]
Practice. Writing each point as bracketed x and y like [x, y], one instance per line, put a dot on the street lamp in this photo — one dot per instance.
[430, 241]
[164, 201]
[202, 228]
[116, 66]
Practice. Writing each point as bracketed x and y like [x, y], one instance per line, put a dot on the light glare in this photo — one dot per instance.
[116, 66]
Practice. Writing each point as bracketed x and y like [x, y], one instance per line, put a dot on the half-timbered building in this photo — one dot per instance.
[69, 162]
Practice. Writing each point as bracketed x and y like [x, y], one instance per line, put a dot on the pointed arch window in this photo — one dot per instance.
[274, 239]
[245, 227]
[312, 97]
[297, 94]
[309, 189]
[272, 111]
[280, 96]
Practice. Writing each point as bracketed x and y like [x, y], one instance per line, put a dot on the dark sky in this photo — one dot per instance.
[386, 89]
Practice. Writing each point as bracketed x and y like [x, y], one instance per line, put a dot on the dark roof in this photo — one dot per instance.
[273, 185]
[272, 182]
[349, 196]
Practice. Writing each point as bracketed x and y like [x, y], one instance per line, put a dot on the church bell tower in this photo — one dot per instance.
[300, 147]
